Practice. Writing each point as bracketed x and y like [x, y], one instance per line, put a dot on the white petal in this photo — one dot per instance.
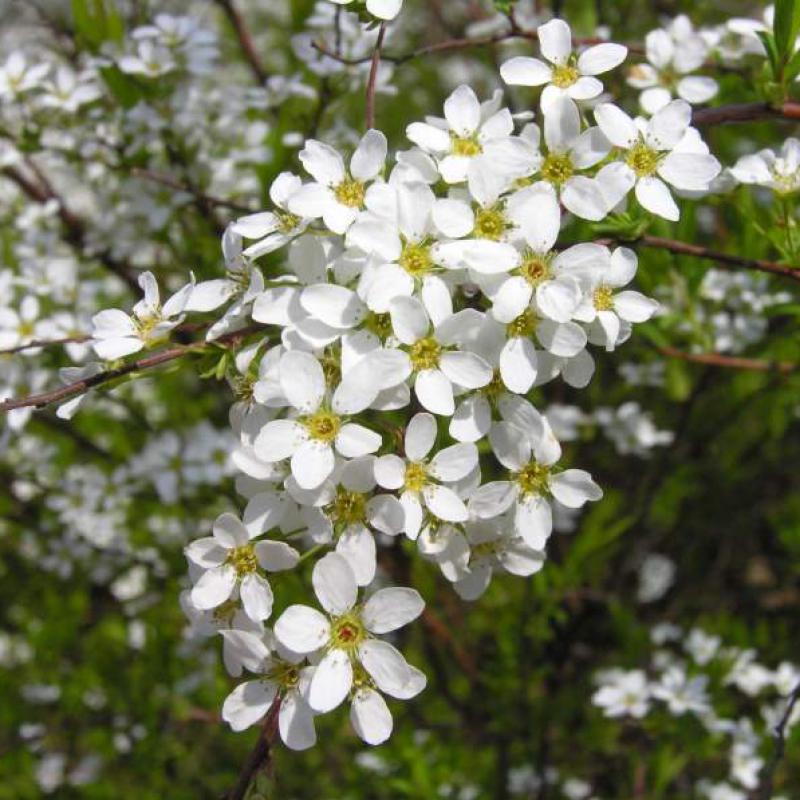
[256, 595]
[634, 306]
[618, 127]
[668, 125]
[302, 380]
[409, 320]
[445, 504]
[278, 440]
[312, 463]
[276, 556]
[523, 71]
[561, 339]
[512, 450]
[357, 546]
[492, 499]
[420, 436]
[355, 440]
[385, 514]
[435, 392]
[296, 722]
[574, 487]
[370, 717]
[601, 58]
[454, 218]
[559, 299]
[533, 521]
[334, 305]
[555, 41]
[390, 471]
[322, 162]
[331, 683]
[229, 531]
[334, 584]
[214, 587]
[518, 364]
[454, 462]
[697, 89]
[463, 111]
[385, 665]
[369, 157]
[689, 171]
[390, 609]
[248, 703]
[562, 124]
[585, 198]
[302, 629]
[654, 195]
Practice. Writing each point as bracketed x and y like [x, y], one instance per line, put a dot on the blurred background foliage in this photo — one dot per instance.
[510, 677]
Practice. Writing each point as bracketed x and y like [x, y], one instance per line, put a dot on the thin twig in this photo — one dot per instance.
[698, 251]
[148, 362]
[45, 343]
[173, 183]
[779, 733]
[260, 757]
[373, 77]
[744, 112]
[245, 40]
[75, 231]
[730, 362]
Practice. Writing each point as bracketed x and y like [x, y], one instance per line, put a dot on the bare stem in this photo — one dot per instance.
[373, 77]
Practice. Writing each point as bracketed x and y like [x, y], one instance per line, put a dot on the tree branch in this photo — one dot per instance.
[768, 776]
[261, 755]
[744, 112]
[45, 343]
[75, 232]
[373, 77]
[148, 362]
[245, 40]
[697, 251]
[200, 197]
[730, 362]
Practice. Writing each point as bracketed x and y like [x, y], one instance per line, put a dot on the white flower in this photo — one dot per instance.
[424, 481]
[672, 54]
[624, 694]
[69, 91]
[663, 149]
[150, 61]
[231, 561]
[337, 195]
[681, 693]
[779, 172]
[524, 443]
[472, 136]
[610, 313]
[273, 229]
[382, 9]
[283, 681]
[116, 334]
[568, 74]
[20, 327]
[433, 336]
[321, 425]
[353, 659]
[17, 76]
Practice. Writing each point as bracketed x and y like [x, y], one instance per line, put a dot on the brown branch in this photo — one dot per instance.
[260, 757]
[744, 112]
[245, 40]
[452, 44]
[730, 362]
[768, 776]
[75, 231]
[148, 362]
[206, 199]
[697, 251]
[373, 77]
[45, 343]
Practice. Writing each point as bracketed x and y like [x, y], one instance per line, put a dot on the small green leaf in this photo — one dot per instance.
[768, 40]
[786, 27]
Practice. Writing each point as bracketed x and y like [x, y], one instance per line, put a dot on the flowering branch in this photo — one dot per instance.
[373, 77]
[744, 112]
[81, 386]
[698, 251]
[730, 362]
[42, 191]
[261, 756]
[245, 40]
[767, 779]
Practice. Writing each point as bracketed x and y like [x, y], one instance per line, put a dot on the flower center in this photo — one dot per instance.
[643, 160]
[535, 268]
[603, 298]
[523, 326]
[287, 676]
[416, 477]
[557, 168]
[533, 479]
[490, 223]
[565, 75]
[347, 632]
[425, 353]
[243, 559]
[350, 193]
[416, 259]
[484, 550]
[348, 507]
[288, 222]
[323, 426]
[379, 324]
[224, 614]
[465, 146]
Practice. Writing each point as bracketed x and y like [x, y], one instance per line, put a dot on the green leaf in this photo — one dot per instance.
[786, 27]
[768, 40]
[792, 69]
[97, 21]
